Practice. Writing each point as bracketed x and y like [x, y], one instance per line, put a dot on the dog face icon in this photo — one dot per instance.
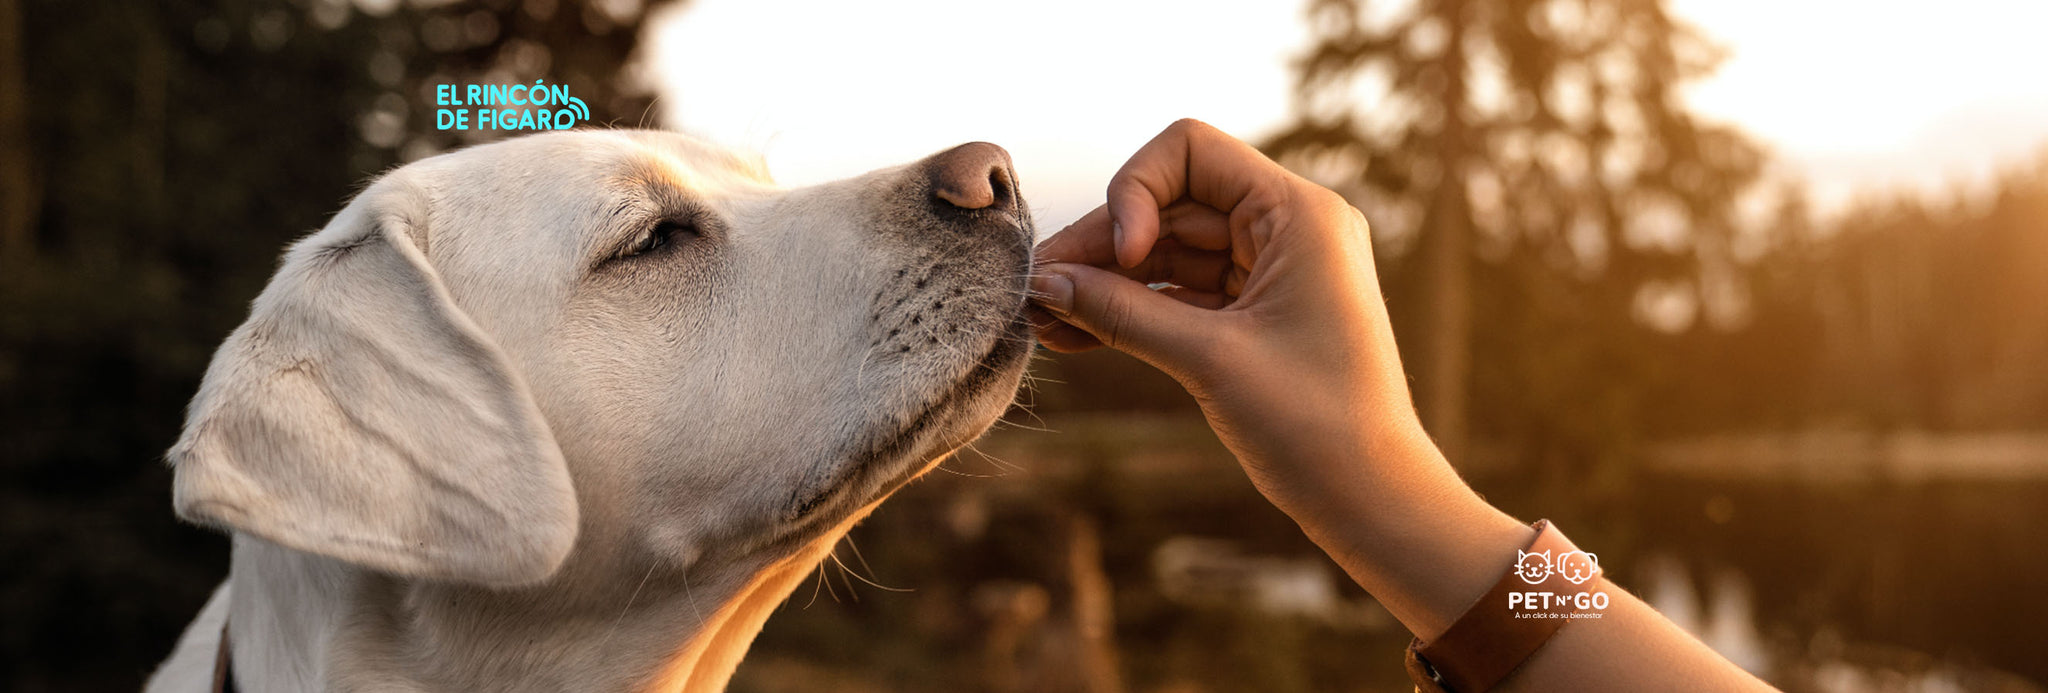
[1533, 567]
[1578, 566]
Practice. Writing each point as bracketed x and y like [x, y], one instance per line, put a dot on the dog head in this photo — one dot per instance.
[632, 337]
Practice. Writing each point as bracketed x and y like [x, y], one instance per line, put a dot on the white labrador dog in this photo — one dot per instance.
[576, 411]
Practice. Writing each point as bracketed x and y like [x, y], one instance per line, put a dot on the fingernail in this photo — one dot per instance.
[1053, 291]
[1116, 236]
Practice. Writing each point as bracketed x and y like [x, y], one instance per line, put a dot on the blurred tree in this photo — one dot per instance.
[17, 189]
[1545, 142]
[1902, 313]
[154, 159]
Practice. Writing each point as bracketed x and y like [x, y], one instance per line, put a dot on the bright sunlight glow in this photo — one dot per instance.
[1850, 94]
[1070, 87]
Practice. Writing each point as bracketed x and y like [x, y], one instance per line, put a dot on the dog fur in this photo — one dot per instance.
[469, 440]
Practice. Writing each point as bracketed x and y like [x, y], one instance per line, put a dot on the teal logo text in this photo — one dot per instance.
[507, 107]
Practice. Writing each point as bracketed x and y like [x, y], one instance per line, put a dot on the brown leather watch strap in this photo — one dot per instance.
[1550, 584]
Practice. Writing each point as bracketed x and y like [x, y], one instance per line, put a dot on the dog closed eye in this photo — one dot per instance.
[663, 235]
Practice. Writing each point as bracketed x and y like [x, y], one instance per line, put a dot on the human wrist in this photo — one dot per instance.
[1358, 477]
[1409, 531]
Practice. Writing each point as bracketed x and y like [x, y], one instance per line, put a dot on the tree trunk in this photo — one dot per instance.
[1094, 606]
[18, 197]
[1446, 256]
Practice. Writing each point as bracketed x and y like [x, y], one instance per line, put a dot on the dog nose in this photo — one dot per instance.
[976, 175]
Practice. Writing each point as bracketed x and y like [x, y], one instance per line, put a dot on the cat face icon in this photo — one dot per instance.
[1578, 566]
[1533, 567]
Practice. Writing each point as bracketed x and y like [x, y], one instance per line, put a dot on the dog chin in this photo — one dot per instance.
[885, 461]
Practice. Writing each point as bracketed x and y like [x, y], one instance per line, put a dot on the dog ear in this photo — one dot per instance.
[359, 414]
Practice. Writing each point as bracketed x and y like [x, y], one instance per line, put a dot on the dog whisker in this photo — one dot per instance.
[998, 462]
[816, 587]
[851, 544]
[850, 592]
[827, 578]
[629, 607]
[1023, 427]
[970, 475]
[849, 571]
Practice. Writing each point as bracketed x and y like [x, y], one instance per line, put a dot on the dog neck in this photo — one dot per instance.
[303, 622]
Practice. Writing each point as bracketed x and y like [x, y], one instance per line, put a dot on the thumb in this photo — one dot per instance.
[1122, 313]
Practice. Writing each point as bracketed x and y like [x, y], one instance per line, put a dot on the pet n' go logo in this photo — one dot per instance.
[1576, 567]
[538, 106]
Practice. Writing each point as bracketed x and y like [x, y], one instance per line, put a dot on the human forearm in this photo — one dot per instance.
[1415, 537]
[1410, 532]
[1274, 321]
[1629, 648]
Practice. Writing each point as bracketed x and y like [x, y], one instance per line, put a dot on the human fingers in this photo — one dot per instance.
[1057, 335]
[1210, 300]
[1193, 268]
[1190, 159]
[1125, 314]
[1091, 241]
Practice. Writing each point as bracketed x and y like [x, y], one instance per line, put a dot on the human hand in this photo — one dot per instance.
[1276, 324]
[1275, 321]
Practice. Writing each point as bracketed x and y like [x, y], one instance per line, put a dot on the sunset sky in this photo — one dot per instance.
[1851, 95]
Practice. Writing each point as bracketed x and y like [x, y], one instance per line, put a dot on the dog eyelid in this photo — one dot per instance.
[662, 234]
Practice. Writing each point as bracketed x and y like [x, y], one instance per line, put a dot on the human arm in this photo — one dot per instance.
[1277, 326]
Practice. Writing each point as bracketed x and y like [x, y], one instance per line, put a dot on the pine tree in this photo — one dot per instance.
[1540, 143]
